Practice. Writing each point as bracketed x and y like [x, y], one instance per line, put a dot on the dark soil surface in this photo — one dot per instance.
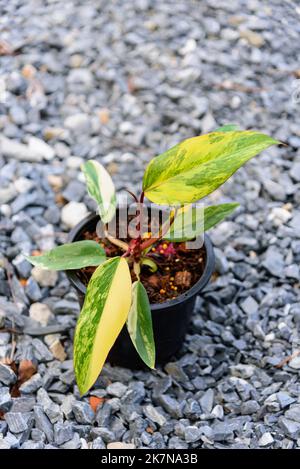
[178, 268]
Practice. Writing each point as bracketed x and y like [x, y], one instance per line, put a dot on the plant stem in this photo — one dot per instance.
[116, 242]
[164, 230]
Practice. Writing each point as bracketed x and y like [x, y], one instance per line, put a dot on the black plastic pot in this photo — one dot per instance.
[170, 319]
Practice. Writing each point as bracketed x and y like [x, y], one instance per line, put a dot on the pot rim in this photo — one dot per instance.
[196, 288]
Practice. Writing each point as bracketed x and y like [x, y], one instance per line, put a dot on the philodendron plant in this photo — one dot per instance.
[182, 175]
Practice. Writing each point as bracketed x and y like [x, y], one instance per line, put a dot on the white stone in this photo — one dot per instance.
[23, 185]
[14, 149]
[279, 216]
[120, 445]
[40, 313]
[41, 148]
[78, 123]
[72, 213]
[266, 439]
[295, 363]
[74, 162]
[44, 277]
[46, 239]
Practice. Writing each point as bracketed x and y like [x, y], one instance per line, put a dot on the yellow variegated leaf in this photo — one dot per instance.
[196, 167]
[101, 188]
[104, 313]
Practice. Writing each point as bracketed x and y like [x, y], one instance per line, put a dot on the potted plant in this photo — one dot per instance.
[138, 286]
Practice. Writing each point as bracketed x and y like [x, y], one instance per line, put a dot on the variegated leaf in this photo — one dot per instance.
[139, 324]
[197, 166]
[104, 313]
[70, 256]
[101, 188]
[190, 222]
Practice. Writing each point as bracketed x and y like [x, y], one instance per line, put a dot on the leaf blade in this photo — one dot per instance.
[187, 226]
[104, 313]
[139, 324]
[101, 188]
[70, 256]
[197, 166]
[214, 214]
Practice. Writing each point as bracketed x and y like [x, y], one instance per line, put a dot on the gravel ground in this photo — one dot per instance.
[121, 82]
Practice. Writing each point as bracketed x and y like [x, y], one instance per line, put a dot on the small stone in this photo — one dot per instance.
[74, 191]
[266, 440]
[207, 401]
[290, 427]
[249, 305]
[249, 407]
[295, 363]
[7, 376]
[51, 409]
[37, 435]
[295, 172]
[242, 371]
[75, 443]
[78, 123]
[16, 422]
[292, 271]
[63, 432]
[44, 277]
[254, 39]
[83, 412]
[5, 399]
[274, 262]
[41, 148]
[176, 443]
[32, 290]
[107, 435]
[42, 423]
[222, 431]
[116, 389]
[293, 413]
[32, 445]
[58, 350]
[23, 266]
[275, 190]
[98, 443]
[218, 412]
[192, 434]
[154, 414]
[41, 313]
[72, 213]
[120, 445]
[67, 405]
[170, 405]
[23, 404]
[32, 385]
[284, 399]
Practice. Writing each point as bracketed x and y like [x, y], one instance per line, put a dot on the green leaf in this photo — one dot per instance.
[139, 324]
[214, 214]
[227, 128]
[149, 263]
[190, 222]
[70, 256]
[197, 166]
[101, 188]
[104, 313]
